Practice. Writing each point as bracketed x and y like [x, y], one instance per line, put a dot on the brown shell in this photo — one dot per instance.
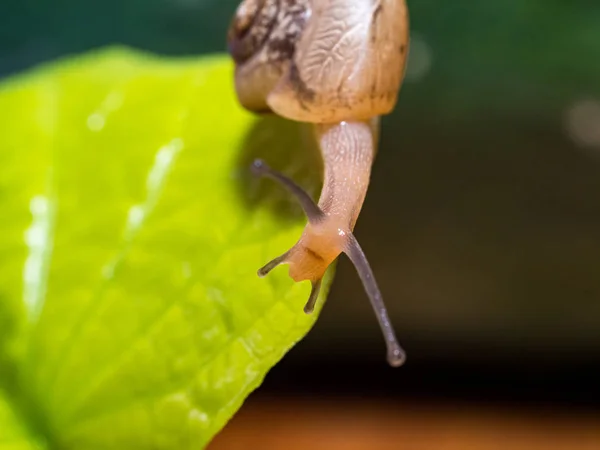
[323, 61]
[262, 40]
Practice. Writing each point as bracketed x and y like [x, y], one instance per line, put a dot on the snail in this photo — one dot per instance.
[337, 65]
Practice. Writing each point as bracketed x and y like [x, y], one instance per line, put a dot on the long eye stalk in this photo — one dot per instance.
[311, 209]
[395, 354]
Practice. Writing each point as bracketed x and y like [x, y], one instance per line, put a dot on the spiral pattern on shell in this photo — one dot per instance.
[267, 27]
[250, 28]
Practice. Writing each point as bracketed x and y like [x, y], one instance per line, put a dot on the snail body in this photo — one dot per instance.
[336, 64]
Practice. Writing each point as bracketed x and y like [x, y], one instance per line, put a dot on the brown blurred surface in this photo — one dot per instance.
[290, 424]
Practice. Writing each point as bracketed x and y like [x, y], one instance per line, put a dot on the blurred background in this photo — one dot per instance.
[482, 225]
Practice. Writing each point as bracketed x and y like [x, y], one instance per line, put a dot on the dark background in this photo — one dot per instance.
[482, 223]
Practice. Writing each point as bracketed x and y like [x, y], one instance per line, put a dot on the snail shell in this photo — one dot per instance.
[320, 61]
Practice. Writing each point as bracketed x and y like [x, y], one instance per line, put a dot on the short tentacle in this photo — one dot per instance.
[314, 295]
[264, 270]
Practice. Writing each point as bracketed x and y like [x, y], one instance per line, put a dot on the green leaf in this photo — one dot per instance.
[131, 315]
[13, 435]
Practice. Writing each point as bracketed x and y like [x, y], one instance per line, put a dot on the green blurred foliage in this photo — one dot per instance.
[130, 235]
[533, 52]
